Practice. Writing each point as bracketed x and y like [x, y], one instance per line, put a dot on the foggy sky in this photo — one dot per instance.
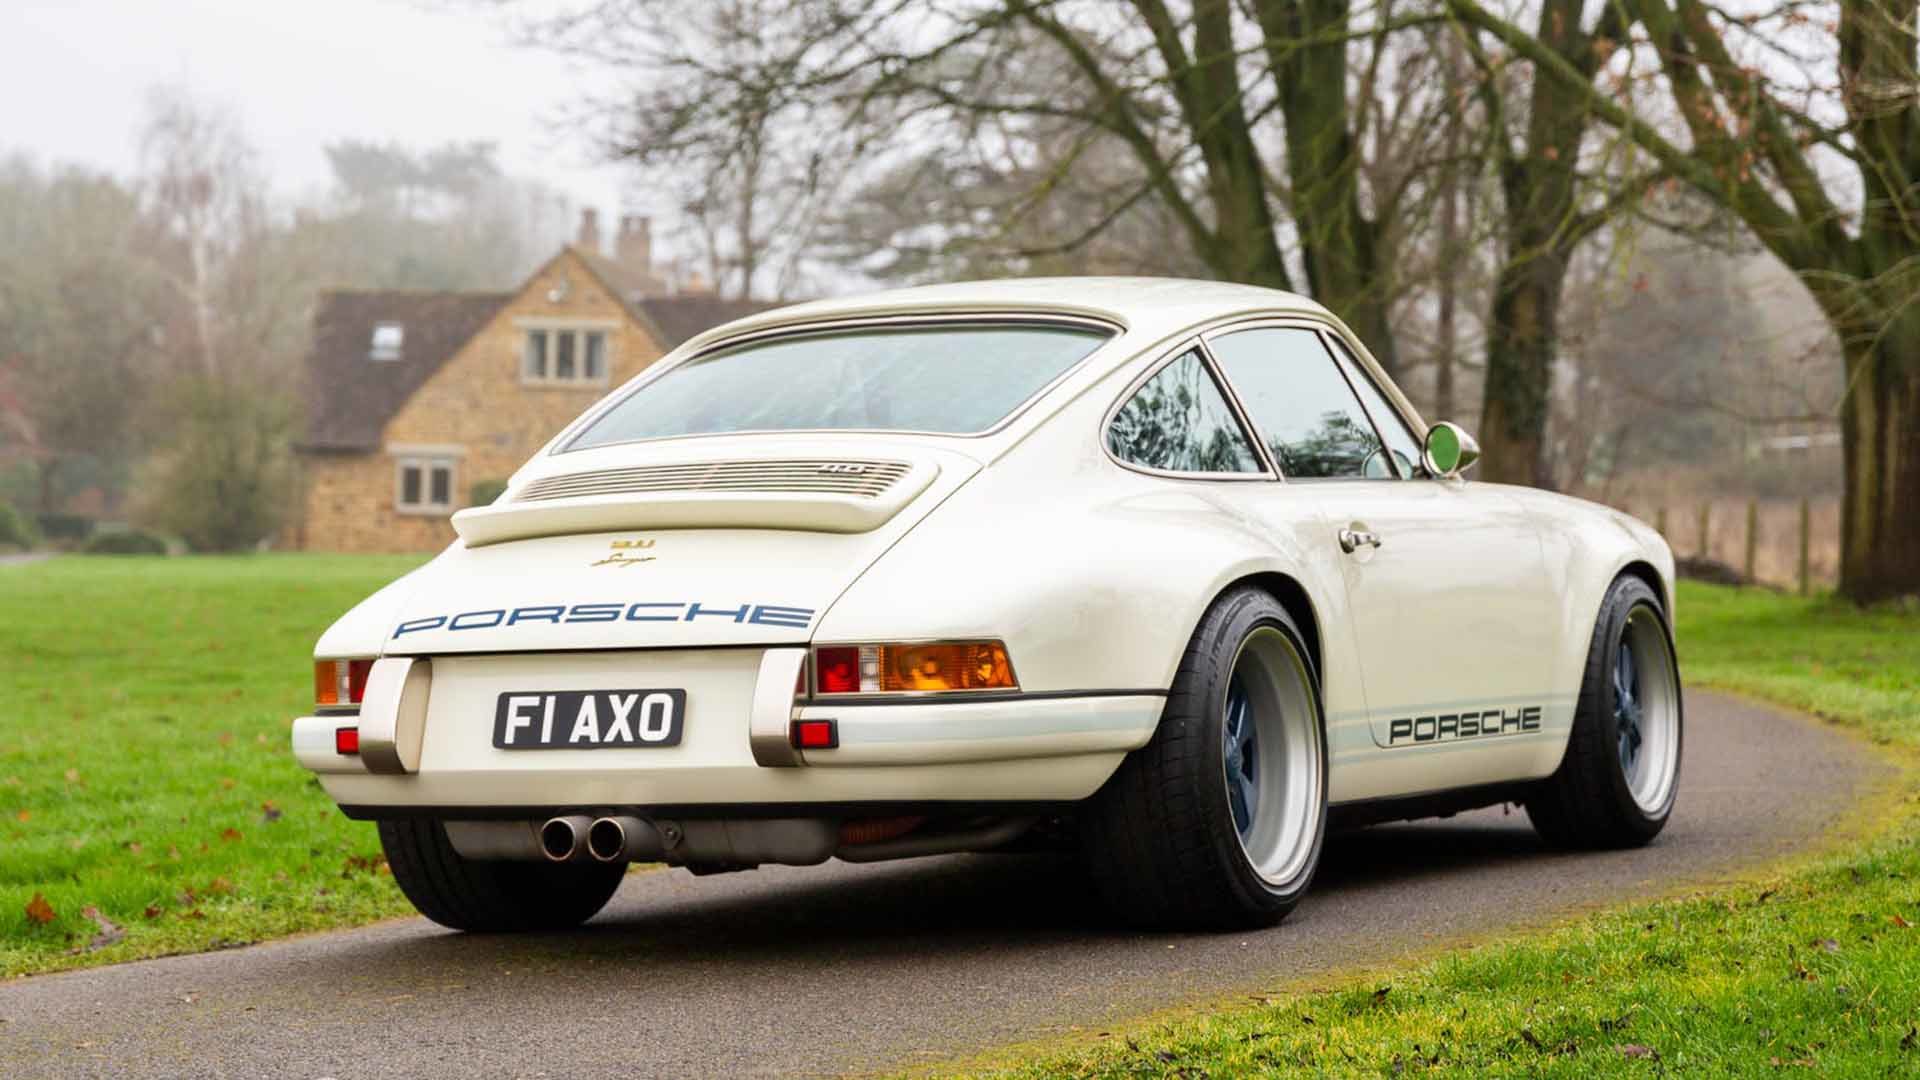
[74, 76]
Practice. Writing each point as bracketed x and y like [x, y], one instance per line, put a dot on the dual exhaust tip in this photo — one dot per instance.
[607, 839]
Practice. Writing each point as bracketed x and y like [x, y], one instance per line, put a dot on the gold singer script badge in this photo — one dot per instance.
[626, 553]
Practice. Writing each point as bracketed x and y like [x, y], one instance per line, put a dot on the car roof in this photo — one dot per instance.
[1144, 307]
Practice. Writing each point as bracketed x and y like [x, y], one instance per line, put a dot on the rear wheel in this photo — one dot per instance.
[1218, 821]
[491, 896]
[1616, 786]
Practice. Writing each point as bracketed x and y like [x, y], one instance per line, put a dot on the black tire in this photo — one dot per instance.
[1159, 837]
[492, 897]
[1588, 802]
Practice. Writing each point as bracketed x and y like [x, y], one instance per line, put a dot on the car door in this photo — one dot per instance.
[1448, 594]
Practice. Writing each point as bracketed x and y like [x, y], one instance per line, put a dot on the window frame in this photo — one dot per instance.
[1197, 345]
[1328, 337]
[563, 443]
[578, 331]
[426, 461]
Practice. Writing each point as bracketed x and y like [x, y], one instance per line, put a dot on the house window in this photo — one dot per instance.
[564, 356]
[388, 337]
[423, 485]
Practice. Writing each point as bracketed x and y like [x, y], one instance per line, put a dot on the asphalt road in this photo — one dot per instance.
[780, 972]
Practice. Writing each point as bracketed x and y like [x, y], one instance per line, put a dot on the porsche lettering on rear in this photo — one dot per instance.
[638, 611]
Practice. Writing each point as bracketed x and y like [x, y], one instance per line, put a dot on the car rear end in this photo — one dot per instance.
[631, 654]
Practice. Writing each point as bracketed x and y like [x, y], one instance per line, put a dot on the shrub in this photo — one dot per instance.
[126, 542]
[15, 528]
[483, 492]
[65, 528]
[226, 481]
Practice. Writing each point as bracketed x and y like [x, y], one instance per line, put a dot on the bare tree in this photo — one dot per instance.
[1811, 135]
[77, 308]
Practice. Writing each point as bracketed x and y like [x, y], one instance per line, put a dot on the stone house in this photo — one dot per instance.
[421, 403]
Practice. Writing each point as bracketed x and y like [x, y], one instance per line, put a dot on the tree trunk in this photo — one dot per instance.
[1880, 425]
[48, 488]
[1520, 349]
[1306, 42]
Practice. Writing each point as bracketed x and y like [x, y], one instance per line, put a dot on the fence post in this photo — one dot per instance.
[1706, 522]
[1806, 543]
[1660, 522]
[1753, 536]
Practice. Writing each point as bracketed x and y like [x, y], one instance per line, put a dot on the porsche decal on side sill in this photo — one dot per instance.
[1446, 727]
[798, 618]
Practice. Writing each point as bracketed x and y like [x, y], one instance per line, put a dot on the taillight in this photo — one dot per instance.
[932, 667]
[340, 682]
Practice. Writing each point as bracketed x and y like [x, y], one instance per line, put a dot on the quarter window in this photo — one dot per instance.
[1301, 404]
[561, 356]
[1180, 422]
[1404, 447]
[423, 485]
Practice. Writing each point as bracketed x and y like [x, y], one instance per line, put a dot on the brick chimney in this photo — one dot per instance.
[589, 237]
[634, 247]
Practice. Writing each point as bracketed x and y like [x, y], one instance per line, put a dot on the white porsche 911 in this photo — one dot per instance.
[1167, 571]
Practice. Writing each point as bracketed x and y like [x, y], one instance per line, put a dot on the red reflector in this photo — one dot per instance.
[838, 670]
[346, 740]
[815, 735]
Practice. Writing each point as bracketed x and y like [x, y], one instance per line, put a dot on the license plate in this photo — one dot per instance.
[588, 719]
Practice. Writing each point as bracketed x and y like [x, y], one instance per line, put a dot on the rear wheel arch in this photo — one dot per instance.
[1644, 570]
[1293, 597]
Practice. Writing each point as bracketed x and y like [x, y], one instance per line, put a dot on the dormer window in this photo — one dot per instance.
[387, 340]
[564, 355]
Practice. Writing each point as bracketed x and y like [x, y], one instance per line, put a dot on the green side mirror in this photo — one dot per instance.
[1450, 451]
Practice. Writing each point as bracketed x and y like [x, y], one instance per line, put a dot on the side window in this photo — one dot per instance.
[1405, 448]
[1301, 404]
[1180, 422]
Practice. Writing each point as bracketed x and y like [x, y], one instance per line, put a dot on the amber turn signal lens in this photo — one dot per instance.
[340, 682]
[956, 665]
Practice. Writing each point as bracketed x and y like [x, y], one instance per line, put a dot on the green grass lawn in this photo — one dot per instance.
[1812, 971]
[144, 769]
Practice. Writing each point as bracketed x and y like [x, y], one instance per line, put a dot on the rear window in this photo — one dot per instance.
[955, 380]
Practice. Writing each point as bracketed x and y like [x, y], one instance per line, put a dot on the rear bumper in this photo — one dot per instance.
[1017, 748]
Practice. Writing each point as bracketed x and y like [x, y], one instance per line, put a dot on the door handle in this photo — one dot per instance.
[1352, 540]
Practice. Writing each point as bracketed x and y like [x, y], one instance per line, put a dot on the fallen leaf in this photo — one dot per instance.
[134, 846]
[73, 776]
[230, 835]
[219, 886]
[152, 912]
[109, 931]
[227, 783]
[24, 815]
[39, 911]
[1635, 1050]
[269, 812]
[1900, 922]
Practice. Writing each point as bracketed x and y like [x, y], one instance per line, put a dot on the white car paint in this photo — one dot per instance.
[1094, 575]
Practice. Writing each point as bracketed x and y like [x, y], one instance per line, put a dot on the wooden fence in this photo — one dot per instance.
[1790, 543]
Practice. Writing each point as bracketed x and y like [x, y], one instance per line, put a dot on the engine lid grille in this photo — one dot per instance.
[817, 476]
